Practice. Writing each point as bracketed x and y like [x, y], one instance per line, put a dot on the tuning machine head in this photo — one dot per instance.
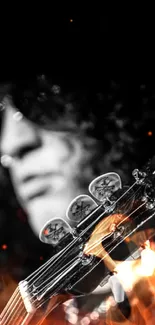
[80, 207]
[103, 187]
[54, 231]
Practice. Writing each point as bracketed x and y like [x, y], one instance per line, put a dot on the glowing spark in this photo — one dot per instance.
[46, 232]
[4, 246]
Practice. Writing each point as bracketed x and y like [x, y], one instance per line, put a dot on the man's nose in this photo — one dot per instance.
[18, 135]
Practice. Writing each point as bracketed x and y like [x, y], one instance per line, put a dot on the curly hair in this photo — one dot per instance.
[97, 112]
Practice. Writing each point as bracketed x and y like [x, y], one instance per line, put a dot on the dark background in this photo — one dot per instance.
[107, 52]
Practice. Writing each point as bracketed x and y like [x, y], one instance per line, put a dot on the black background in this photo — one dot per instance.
[101, 46]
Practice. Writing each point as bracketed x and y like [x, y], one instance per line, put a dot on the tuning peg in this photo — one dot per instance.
[54, 230]
[80, 207]
[102, 187]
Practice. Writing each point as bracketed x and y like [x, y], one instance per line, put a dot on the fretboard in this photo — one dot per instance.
[15, 312]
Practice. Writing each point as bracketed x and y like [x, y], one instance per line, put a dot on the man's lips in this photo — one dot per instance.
[33, 195]
[34, 186]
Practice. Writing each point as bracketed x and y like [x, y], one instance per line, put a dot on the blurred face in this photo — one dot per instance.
[44, 166]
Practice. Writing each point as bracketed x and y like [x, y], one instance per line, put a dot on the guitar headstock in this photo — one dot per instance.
[102, 221]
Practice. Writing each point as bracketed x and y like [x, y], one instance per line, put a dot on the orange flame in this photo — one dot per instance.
[57, 316]
[138, 280]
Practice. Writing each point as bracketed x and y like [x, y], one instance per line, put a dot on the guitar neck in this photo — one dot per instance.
[20, 311]
[15, 312]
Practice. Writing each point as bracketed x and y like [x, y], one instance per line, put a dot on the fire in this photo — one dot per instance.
[147, 265]
[129, 272]
[138, 280]
[8, 286]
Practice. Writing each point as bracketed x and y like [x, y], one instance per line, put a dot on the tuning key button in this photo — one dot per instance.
[80, 208]
[103, 187]
[54, 231]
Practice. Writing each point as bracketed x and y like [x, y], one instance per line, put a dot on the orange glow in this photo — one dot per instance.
[46, 232]
[130, 272]
[71, 20]
[149, 133]
[138, 280]
[56, 317]
[4, 246]
[105, 227]
[127, 240]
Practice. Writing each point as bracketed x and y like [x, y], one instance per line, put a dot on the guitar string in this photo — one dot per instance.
[47, 269]
[103, 257]
[80, 280]
[131, 232]
[17, 317]
[49, 262]
[31, 277]
[13, 313]
[45, 300]
[14, 294]
[115, 203]
[10, 300]
[95, 244]
[90, 270]
[125, 193]
[117, 244]
[86, 230]
[41, 320]
[81, 234]
[77, 281]
[19, 312]
[10, 309]
[60, 270]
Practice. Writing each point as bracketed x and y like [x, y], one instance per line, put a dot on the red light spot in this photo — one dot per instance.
[4, 246]
[46, 232]
[149, 133]
[41, 258]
